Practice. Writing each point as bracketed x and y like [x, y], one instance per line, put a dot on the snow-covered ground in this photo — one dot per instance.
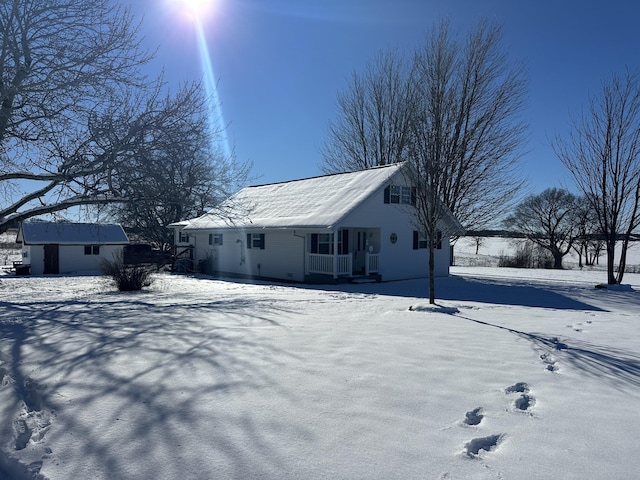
[513, 374]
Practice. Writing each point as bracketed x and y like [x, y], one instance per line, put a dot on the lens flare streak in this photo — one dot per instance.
[216, 118]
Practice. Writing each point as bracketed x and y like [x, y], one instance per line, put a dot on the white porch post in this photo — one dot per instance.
[335, 253]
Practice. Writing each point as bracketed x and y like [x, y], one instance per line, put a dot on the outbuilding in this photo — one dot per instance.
[51, 247]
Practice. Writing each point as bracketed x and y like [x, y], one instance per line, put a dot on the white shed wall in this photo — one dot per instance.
[73, 259]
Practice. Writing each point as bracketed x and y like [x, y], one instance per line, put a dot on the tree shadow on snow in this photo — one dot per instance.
[616, 366]
[181, 365]
[470, 289]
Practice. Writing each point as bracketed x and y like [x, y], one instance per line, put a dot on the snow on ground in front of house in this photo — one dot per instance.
[513, 374]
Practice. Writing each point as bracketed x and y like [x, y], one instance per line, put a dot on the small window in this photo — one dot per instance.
[255, 240]
[215, 239]
[183, 237]
[420, 241]
[393, 238]
[25, 254]
[92, 249]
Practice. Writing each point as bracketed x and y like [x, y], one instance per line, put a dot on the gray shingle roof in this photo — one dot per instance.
[38, 233]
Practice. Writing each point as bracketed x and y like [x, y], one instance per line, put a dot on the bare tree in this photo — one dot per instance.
[466, 129]
[589, 243]
[372, 127]
[603, 154]
[461, 100]
[178, 175]
[76, 111]
[479, 241]
[549, 220]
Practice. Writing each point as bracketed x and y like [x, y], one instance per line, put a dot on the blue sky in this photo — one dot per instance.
[280, 63]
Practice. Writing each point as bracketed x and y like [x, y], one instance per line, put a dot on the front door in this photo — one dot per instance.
[360, 252]
[51, 259]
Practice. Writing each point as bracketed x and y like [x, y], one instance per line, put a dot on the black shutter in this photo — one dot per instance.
[345, 242]
[413, 196]
[439, 240]
[387, 193]
[248, 240]
[220, 239]
[314, 243]
[262, 241]
[415, 240]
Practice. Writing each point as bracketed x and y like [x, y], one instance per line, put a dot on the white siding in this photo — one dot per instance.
[71, 258]
[35, 257]
[282, 257]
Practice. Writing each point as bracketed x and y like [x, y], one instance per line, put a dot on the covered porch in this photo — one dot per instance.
[346, 253]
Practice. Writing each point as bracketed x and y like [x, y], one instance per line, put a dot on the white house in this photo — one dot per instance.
[321, 229]
[68, 247]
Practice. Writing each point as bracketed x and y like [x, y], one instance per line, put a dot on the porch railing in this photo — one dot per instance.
[372, 263]
[319, 263]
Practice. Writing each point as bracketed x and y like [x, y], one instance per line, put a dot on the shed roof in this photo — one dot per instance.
[318, 202]
[39, 233]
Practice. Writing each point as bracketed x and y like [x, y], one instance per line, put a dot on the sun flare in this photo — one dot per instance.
[194, 9]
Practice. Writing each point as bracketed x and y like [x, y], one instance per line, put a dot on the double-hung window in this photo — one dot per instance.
[215, 239]
[183, 237]
[400, 195]
[420, 241]
[322, 243]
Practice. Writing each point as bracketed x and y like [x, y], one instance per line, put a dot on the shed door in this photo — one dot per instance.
[51, 259]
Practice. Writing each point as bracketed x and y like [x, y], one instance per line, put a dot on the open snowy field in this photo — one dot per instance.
[515, 374]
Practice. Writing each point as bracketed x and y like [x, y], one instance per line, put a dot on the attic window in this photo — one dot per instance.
[400, 195]
[92, 249]
[183, 237]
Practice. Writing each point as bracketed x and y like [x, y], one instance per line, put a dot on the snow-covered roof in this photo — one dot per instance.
[38, 233]
[318, 202]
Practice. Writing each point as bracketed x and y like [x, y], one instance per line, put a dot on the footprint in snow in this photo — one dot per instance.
[549, 362]
[524, 401]
[472, 449]
[473, 417]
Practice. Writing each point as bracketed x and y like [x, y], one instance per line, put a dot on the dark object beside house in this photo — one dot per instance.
[142, 253]
[21, 268]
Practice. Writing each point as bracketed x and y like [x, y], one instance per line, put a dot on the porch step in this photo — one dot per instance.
[368, 279]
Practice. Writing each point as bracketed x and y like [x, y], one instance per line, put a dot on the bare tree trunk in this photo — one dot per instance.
[611, 254]
[432, 270]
